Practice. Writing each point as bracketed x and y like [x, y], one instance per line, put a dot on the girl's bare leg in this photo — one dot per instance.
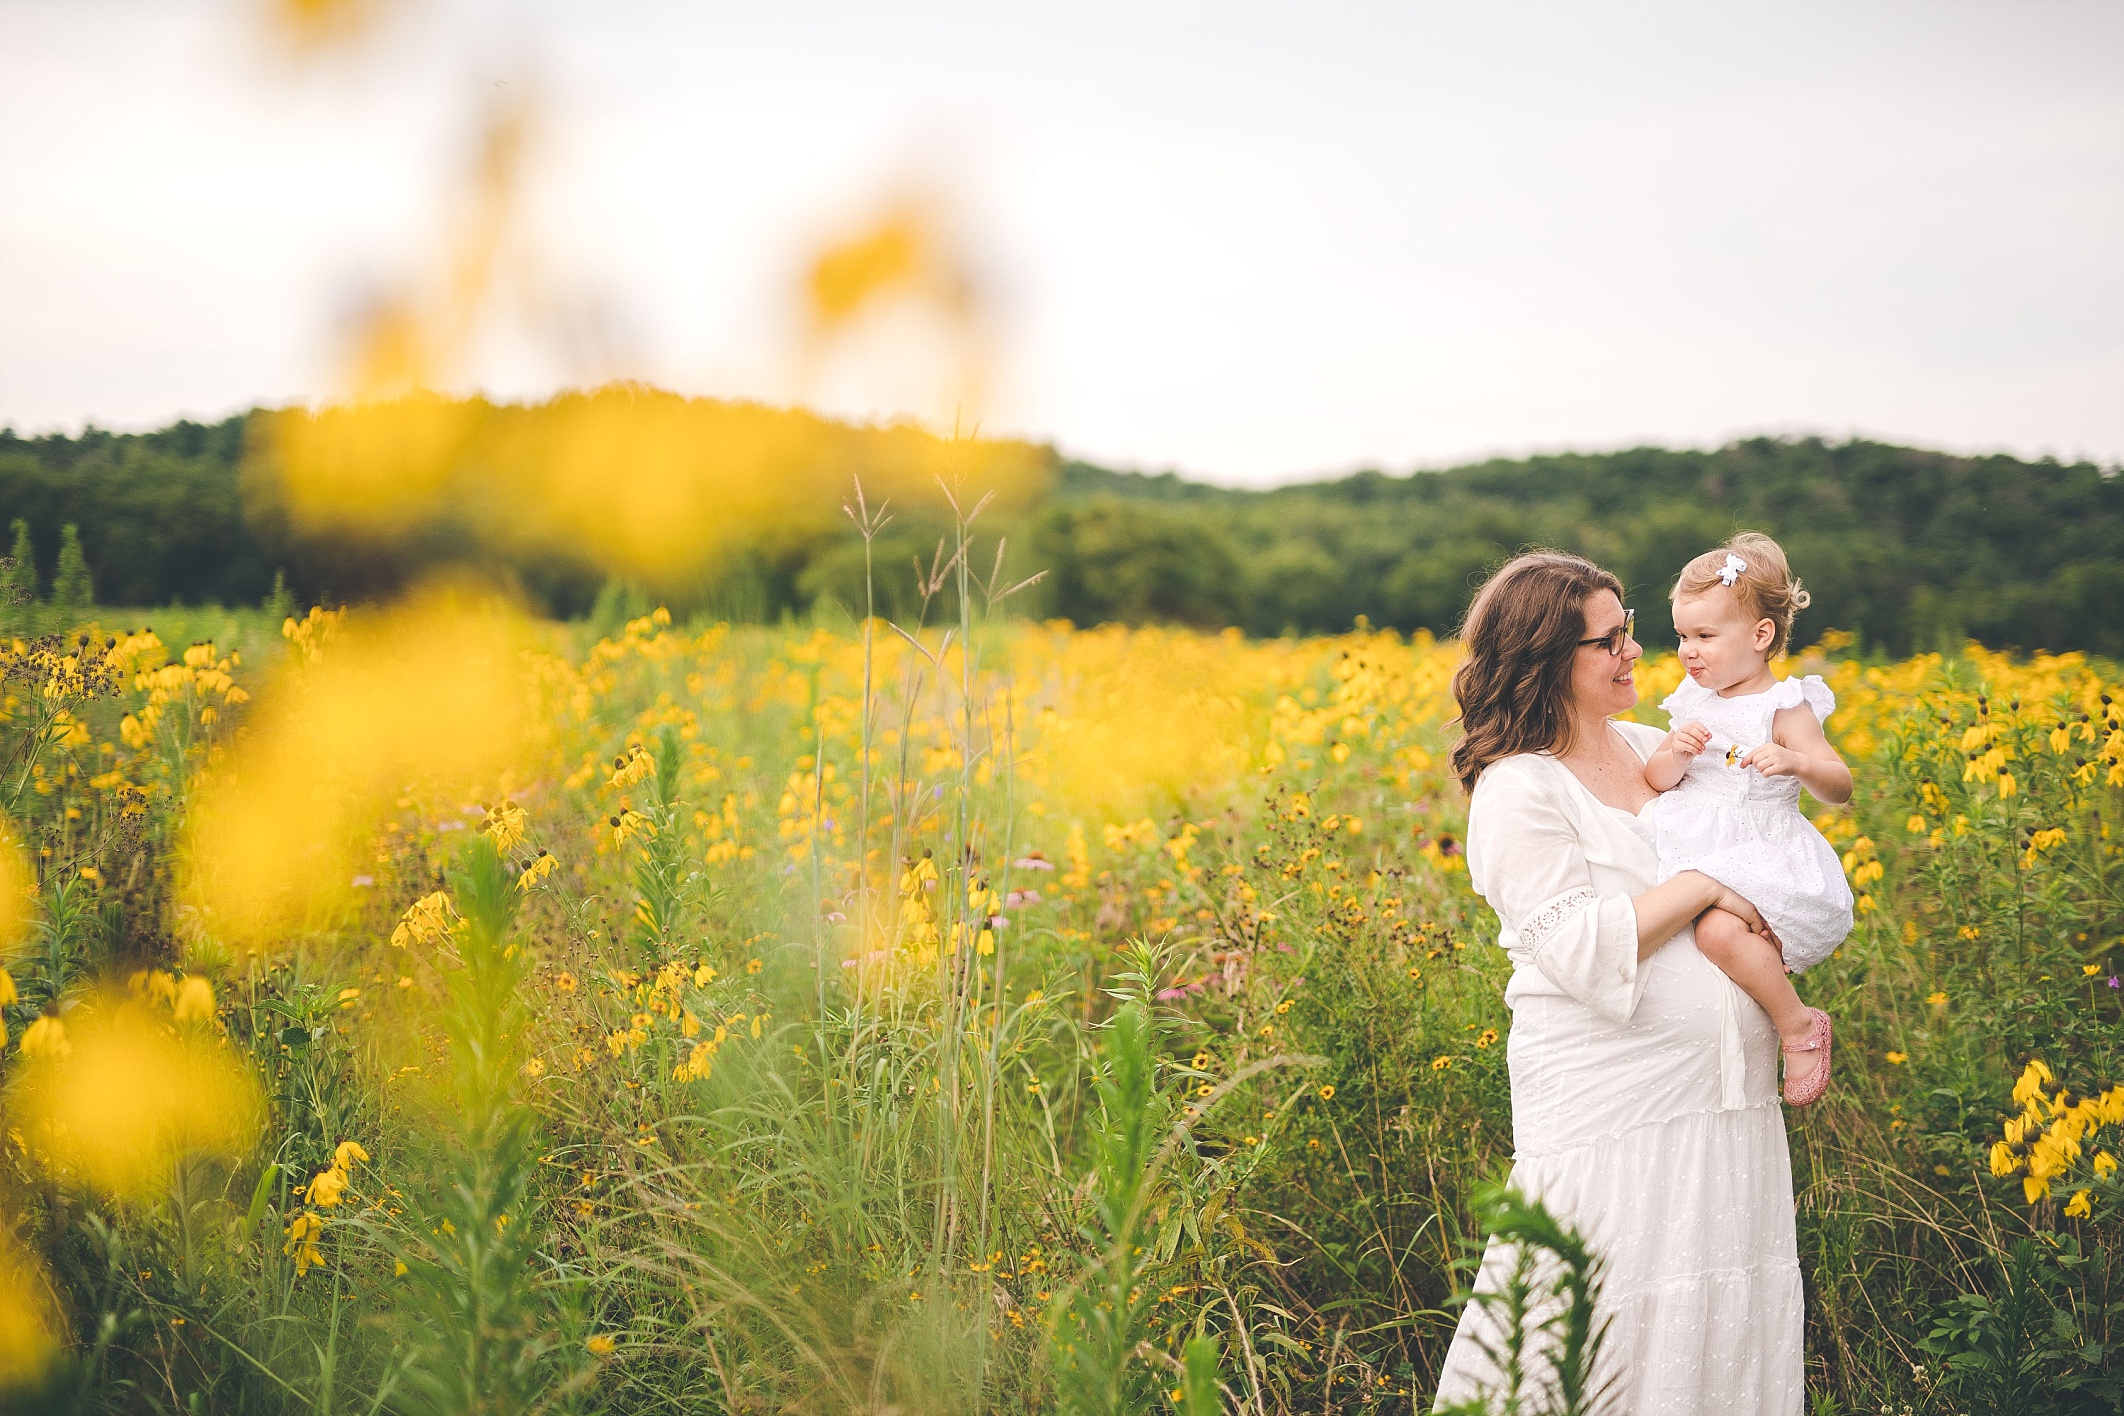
[1754, 963]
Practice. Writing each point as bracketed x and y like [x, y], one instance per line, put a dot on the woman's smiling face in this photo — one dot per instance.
[1601, 682]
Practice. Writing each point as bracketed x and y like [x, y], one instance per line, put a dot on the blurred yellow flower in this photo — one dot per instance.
[2078, 1207]
[1937, 997]
[114, 1100]
[1327, 1093]
[506, 824]
[600, 1346]
[347, 1154]
[46, 1037]
[430, 694]
[31, 1327]
[1898, 1058]
[195, 1000]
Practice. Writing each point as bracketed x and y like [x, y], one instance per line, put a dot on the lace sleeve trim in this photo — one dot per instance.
[1545, 921]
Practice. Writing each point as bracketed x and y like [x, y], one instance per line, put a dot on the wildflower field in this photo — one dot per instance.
[429, 1009]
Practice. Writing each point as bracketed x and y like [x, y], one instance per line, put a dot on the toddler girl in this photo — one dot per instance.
[1744, 742]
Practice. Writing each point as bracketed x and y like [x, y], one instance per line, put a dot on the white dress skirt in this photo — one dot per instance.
[1645, 1111]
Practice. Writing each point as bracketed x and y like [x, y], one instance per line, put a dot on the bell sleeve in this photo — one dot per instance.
[1527, 858]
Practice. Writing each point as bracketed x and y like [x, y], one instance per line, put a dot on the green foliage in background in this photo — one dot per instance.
[1911, 549]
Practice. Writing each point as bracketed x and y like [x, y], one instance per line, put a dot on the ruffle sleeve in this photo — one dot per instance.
[1792, 692]
[1683, 704]
[1528, 860]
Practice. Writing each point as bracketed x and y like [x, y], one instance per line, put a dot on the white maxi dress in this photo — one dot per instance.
[1645, 1109]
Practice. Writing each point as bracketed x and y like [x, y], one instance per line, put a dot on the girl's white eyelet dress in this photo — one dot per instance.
[1745, 830]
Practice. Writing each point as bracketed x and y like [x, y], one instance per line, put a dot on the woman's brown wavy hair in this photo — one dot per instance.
[1521, 635]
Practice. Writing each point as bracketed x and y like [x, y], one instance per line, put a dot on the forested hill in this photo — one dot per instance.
[1909, 548]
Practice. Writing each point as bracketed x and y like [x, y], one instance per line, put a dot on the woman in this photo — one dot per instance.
[1644, 1083]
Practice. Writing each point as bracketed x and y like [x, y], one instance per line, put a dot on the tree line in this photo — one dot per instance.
[1908, 548]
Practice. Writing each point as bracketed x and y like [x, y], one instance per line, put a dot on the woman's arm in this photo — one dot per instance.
[1527, 859]
[1799, 748]
[1665, 910]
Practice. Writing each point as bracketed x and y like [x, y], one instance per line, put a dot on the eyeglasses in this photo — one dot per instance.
[1612, 641]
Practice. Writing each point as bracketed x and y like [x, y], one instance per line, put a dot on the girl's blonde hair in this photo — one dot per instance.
[1767, 588]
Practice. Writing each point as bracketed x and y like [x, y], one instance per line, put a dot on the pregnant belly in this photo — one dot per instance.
[1695, 1044]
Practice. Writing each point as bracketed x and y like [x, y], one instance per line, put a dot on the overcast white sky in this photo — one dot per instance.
[1252, 242]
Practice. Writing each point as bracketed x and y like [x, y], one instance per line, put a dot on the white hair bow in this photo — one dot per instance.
[1731, 570]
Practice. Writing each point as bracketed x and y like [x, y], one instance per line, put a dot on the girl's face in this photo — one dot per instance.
[1601, 682]
[1719, 647]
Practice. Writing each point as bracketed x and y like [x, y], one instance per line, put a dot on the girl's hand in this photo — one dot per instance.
[1688, 740]
[1773, 761]
[1734, 904]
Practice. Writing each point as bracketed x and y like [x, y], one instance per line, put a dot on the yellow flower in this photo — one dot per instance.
[1937, 997]
[2090, 969]
[1898, 1058]
[1486, 1037]
[195, 1000]
[2034, 1078]
[2105, 1165]
[541, 866]
[7, 988]
[427, 921]
[328, 1187]
[600, 1346]
[347, 1154]
[1440, 1063]
[2078, 1207]
[1915, 825]
[302, 1242]
[630, 767]
[565, 982]
[1327, 1093]
[753, 966]
[2034, 1189]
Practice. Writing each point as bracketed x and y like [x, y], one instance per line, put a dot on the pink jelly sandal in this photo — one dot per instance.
[1810, 1091]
